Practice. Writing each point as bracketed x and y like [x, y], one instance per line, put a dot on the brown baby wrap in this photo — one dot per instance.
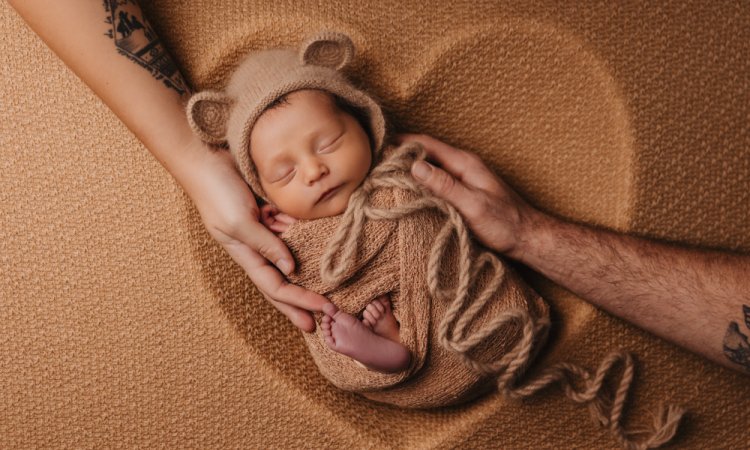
[468, 320]
[392, 257]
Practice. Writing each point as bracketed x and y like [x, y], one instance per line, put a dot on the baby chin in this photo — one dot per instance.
[334, 204]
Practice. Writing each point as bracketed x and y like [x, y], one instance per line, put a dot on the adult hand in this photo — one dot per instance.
[497, 216]
[156, 115]
[230, 213]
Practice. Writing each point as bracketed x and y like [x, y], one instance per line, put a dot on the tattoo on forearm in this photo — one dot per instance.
[135, 38]
[736, 345]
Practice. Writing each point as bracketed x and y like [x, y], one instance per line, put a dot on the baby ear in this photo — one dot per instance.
[208, 114]
[328, 49]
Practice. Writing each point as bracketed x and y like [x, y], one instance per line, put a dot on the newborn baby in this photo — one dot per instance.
[421, 316]
[399, 328]
[311, 154]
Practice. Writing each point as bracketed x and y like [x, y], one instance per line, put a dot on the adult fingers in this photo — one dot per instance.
[457, 162]
[464, 166]
[260, 239]
[299, 317]
[269, 281]
[442, 184]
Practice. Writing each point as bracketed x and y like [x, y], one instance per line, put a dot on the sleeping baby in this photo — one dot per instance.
[420, 314]
[311, 154]
[313, 148]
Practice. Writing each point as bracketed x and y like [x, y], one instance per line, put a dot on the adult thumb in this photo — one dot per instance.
[439, 182]
[263, 241]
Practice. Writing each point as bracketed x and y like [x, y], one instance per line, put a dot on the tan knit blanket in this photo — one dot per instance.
[392, 257]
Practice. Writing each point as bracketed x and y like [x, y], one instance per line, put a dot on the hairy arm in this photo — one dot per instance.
[697, 299]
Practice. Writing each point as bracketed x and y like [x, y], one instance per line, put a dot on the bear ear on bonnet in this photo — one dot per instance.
[327, 49]
[208, 114]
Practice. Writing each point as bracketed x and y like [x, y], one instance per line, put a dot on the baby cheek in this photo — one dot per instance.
[300, 203]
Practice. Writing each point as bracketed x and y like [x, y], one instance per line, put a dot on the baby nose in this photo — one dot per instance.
[315, 170]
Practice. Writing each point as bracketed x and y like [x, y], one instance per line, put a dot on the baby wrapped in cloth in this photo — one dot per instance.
[469, 322]
[382, 244]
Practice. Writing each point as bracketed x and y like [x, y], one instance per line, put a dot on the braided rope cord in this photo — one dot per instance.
[577, 383]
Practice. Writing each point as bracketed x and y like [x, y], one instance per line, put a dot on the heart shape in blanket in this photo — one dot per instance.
[540, 109]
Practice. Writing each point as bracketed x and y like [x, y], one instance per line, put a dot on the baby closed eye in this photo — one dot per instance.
[331, 146]
[286, 174]
[289, 175]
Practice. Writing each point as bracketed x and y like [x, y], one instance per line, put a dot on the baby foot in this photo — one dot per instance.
[378, 316]
[346, 334]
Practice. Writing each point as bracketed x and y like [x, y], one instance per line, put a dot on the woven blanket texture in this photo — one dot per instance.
[123, 324]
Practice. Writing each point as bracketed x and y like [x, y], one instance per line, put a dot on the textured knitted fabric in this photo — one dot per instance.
[457, 375]
[228, 117]
[124, 325]
[464, 293]
[392, 259]
[390, 247]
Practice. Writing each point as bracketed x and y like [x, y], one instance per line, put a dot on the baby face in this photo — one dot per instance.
[310, 155]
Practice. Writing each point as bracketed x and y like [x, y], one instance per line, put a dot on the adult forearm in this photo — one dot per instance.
[113, 49]
[696, 299]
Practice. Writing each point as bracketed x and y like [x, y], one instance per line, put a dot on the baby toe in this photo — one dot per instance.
[368, 316]
[377, 304]
[373, 310]
[330, 309]
[366, 319]
[385, 303]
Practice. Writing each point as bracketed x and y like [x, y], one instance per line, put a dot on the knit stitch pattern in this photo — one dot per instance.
[392, 257]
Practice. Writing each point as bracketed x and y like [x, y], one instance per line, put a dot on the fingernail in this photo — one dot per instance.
[285, 266]
[421, 170]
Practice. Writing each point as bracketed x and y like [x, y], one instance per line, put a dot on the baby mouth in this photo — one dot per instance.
[329, 193]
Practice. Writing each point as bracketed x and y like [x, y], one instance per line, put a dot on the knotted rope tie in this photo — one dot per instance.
[394, 171]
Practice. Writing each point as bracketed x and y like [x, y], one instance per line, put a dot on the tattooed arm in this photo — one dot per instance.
[82, 33]
[113, 48]
[697, 299]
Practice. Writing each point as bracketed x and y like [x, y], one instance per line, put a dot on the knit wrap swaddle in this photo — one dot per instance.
[394, 239]
[469, 321]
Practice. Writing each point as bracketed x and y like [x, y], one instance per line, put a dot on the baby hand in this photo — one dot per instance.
[275, 220]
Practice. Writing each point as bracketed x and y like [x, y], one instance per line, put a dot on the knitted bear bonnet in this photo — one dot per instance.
[228, 117]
